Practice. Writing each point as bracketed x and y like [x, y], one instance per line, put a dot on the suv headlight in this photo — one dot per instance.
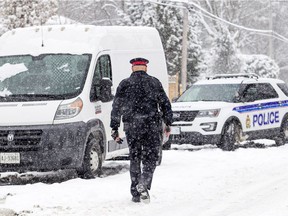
[208, 113]
[70, 110]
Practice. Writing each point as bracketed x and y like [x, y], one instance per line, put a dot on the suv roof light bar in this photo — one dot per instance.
[225, 76]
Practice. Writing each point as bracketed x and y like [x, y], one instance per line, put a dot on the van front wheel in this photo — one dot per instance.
[92, 162]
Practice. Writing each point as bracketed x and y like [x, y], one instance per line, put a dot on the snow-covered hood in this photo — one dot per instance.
[199, 105]
[28, 113]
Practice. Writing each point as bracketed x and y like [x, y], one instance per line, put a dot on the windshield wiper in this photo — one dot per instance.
[47, 95]
[9, 98]
[27, 97]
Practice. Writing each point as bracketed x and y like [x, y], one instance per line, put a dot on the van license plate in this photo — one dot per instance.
[10, 158]
[175, 130]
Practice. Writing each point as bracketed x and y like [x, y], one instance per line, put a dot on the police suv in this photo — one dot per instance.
[228, 109]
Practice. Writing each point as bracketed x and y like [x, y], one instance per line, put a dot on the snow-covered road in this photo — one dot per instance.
[190, 182]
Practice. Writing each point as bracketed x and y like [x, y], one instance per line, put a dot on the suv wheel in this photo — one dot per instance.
[230, 136]
[282, 139]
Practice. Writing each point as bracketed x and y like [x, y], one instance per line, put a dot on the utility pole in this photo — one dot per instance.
[271, 48]
[184, 49]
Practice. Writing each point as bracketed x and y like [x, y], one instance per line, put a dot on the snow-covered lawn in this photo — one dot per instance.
[191, 181]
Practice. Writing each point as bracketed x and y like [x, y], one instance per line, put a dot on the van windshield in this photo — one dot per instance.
[43, 77]
[211, 92]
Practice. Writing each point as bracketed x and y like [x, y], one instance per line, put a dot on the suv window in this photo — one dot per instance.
[259, 91]
[284, 88]
[210, 92]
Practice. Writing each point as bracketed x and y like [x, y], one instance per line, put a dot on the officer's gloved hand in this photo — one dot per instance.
[167, 130]
[115, 136]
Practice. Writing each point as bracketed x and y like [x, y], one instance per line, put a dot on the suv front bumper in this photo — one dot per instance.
[194, 138]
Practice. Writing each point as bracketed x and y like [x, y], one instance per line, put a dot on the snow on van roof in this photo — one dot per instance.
[77, 39]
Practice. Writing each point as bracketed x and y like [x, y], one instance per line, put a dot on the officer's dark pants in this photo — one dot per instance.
[143, 147]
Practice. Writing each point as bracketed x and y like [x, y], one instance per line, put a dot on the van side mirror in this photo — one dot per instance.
[105, 88]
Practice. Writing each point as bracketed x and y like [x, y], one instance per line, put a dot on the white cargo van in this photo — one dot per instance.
[56, 90]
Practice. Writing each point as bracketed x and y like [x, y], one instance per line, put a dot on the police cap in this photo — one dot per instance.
[139, 61]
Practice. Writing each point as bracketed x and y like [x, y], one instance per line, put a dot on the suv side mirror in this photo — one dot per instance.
[244, 99]
[105, 87]
[250, 94]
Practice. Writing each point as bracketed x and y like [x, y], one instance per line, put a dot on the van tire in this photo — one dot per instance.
[92, 162]
[282, 139]
[229, 136]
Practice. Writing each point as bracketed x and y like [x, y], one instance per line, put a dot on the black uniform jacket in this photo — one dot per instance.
[138, 100]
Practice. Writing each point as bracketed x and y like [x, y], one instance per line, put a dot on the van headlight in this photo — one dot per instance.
[208, 113]
[70, 110]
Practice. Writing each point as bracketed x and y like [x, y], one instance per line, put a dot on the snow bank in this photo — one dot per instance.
[191, 181]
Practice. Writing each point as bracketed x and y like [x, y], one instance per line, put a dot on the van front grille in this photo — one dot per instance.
[20, 137]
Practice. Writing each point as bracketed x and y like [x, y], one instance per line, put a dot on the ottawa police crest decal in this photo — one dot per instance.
[248, 122]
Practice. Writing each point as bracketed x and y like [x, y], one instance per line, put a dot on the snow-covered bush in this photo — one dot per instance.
[261, 65]
[27, 12]
[2, 28]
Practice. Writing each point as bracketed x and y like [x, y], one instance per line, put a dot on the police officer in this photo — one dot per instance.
[138, 100]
